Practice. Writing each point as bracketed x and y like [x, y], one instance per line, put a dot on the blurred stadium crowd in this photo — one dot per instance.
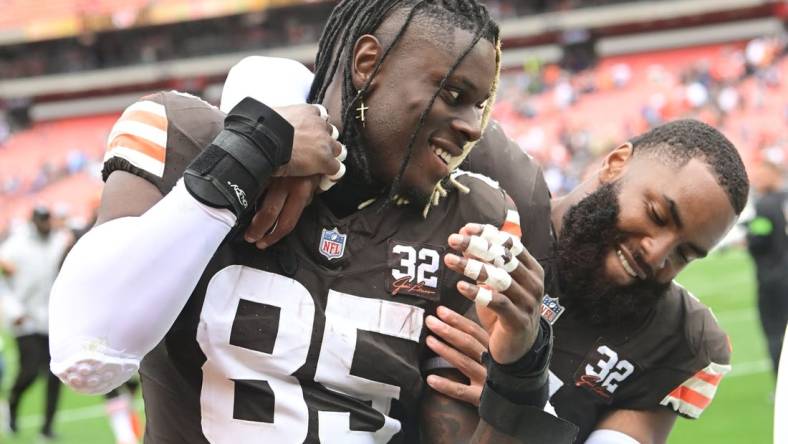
[565, 111]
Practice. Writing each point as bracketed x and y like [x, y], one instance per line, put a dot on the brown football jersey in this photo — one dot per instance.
[499, 157]
[676, 358]
[317, 339]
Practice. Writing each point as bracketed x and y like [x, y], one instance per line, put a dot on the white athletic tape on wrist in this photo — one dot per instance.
[472, 269]
[497, 278]
[483, 297]
[323, 111]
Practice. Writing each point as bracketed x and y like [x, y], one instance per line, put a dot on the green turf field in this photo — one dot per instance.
[741, 413]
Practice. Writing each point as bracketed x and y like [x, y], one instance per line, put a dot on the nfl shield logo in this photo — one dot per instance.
[551, 309]
[332, 243]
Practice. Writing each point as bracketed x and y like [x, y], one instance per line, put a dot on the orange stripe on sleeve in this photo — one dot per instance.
[691, 397]
[708, 377]
[154, 120]
[512, 228]
[144, 146]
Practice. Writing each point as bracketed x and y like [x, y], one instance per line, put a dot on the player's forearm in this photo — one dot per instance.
[124, 284]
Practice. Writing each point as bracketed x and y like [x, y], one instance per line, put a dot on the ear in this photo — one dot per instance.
[615, 163]
[366, 53]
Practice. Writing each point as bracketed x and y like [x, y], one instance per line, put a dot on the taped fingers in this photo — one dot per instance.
[342, 153]
[488, 274]
[322, 110]
[328, 181]
[483, 296]
[486, 297]
[497, 237]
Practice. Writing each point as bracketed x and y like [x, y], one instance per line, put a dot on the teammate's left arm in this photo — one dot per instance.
[507, 292]
[634, 426]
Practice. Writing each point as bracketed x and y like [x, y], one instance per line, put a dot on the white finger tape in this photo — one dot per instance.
[511, 265]
[334, 132]
[323, 111]
[472, 269]
[495, 236]
[480, 248]
[326, 183]
[497, 250]
[497, 278]
[517, 247]
[491, 234]
[342, 154]
[338, 175]
[483, 297]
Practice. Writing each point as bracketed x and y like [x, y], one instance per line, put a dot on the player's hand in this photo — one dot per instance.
[315, 146]
[465, 341]
[280, 208]
[510, 312]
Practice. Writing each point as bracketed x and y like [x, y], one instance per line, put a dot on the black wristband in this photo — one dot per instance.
[514, 395]
[528, 424]
[524, 381]
[233, 170]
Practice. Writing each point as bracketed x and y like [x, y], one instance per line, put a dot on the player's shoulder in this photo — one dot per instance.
[157, 136]
[703, 333]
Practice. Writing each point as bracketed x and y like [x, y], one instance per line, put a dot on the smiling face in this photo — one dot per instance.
[402, 90]
[622, 244]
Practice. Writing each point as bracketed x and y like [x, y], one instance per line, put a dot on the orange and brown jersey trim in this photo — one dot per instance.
[140, 137]
[692, 397]
[512, 223]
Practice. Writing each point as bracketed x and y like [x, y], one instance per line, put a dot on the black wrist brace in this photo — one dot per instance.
[233, 170]
[515, 394]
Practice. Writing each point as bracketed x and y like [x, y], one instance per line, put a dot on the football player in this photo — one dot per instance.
[633, 349]
[623, 372]
[320, 338]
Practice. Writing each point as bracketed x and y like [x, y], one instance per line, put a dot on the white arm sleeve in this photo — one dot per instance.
[607, 436]
[124, 284]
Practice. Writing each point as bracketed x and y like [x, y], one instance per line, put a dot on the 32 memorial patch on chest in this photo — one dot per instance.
[414, 269]
[603, 371]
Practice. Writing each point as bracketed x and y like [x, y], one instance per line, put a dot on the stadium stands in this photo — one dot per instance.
[573, 119]
[54, 163]
[610, 103]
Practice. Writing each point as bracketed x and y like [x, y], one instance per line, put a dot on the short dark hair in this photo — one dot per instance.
[351, 19]
[680, 141]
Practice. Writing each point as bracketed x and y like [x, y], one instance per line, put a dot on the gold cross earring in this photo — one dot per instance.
[361, 110]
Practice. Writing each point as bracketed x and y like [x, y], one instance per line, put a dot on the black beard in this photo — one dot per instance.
[588, 234]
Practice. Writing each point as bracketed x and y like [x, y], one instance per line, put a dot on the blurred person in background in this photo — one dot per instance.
[767, 240]
[31, 257]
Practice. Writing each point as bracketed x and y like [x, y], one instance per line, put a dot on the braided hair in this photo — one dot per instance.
[352, 19]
